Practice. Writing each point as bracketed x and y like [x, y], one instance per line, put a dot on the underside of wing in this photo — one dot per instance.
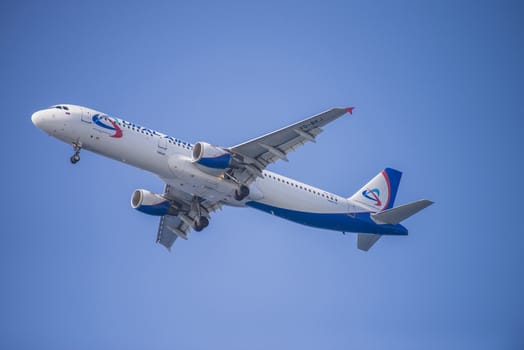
[255, 155]
[169, 229]
[191, 211]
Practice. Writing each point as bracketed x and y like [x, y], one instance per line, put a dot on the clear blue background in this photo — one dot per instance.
[438, 87]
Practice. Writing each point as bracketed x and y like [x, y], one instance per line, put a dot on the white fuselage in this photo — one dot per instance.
[201, 177]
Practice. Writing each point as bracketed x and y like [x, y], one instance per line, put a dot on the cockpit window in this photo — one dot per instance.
[60, 107]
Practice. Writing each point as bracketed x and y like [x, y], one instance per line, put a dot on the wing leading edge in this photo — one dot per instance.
[256, 154]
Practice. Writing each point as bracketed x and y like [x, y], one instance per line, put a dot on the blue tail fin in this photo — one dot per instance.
[379, 194]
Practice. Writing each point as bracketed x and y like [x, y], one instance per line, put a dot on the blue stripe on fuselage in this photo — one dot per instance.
[358, 222]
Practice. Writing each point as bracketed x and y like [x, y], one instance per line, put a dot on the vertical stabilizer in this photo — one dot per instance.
[380, 193]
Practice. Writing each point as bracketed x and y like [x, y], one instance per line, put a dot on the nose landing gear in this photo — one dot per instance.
[75, 158]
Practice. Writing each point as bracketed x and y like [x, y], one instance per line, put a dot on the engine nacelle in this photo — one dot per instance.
[210, 158]
[152, 203]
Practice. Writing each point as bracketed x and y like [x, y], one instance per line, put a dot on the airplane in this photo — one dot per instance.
[201, 178]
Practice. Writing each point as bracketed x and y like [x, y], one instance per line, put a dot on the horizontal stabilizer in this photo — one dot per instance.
[366, 241]
[396, 215]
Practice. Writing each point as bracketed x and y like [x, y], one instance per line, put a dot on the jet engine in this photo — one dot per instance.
[152, 203]
[211, 159]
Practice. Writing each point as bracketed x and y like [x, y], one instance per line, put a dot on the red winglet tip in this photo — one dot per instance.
[350, 110]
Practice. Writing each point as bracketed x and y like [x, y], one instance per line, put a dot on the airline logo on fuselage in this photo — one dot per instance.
[111, 126]
[108, 123]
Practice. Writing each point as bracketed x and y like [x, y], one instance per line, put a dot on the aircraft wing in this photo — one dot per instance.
[172, 227]
[255, 155]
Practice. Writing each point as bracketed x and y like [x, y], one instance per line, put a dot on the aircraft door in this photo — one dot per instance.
[86, 116]
[162, 143]
[162, 146]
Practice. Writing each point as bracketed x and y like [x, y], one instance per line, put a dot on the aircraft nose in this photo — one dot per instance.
[42, 120]
[36, 118]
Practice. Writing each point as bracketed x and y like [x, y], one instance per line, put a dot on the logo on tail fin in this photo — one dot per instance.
[379, 193]
[373, 195]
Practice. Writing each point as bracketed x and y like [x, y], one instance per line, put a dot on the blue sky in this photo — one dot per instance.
[438, 89]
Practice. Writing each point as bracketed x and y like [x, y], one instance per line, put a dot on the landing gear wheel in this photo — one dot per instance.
[242, 192]
[75, 159]
[201, 223]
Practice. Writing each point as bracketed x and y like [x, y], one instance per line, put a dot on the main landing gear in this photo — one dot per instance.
[201, 221]
[75, 158]
[241, 193]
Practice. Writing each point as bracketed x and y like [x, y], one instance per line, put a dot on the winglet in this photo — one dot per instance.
[350, 110]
